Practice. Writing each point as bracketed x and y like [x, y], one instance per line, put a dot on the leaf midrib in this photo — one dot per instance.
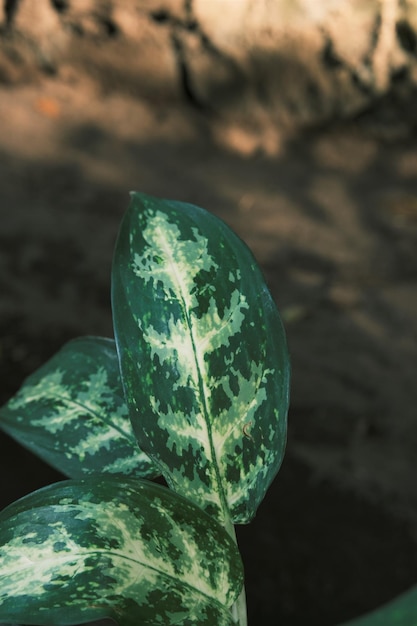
[94, 413]
[71, 556]
[203, 399]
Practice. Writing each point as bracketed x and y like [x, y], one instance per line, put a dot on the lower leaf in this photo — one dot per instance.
[121, 548]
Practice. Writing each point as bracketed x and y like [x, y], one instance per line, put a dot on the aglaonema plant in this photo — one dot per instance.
[194, 388]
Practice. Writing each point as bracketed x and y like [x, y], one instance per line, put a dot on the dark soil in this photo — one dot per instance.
[332, 219]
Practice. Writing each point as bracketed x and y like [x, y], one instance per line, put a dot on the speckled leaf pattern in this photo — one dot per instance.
[72, 413]
[402, 611]
[203, 355]
[115, 547]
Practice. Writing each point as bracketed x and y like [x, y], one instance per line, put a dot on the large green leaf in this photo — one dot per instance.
[402, 611]
[72, 413]
[203, 355]
[115, 547]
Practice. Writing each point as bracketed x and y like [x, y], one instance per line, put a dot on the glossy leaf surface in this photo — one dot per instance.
[111, 547]
[203, 355]
[72, 413]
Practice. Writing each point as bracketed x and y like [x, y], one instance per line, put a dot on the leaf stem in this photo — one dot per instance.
[239, 612]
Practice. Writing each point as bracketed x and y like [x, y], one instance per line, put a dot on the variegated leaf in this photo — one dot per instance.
[72, 413]
[203, 355]
[115, 547]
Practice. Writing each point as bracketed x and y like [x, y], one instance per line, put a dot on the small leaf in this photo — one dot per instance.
[72, 413]
[402, 611]
[203, 355]
[110, 547]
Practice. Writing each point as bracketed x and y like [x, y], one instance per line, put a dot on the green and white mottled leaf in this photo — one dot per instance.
[114, 547]
[203, 355]
[72, 413]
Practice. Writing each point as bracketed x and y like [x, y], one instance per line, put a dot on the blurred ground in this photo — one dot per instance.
[332, 219]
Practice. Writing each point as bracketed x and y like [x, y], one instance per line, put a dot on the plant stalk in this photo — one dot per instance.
[239, 611]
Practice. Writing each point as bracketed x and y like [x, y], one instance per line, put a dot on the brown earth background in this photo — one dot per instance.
[296, 123]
